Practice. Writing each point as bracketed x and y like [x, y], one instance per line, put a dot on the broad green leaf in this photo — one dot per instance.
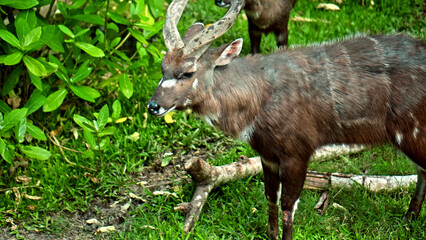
[84, 123]
[20, 130]
[107, 131]
[77, 4]
[66, 30]
[82, 32]
[34, 66]
[126, 86]
[30, 17]
[35, 102]
[156, 7]
[90, 139]
[4, 108]
[136, 34]
[86, 93]
[2, 57]
[19, 4]
[36, 81]
[50, 66]
[14, 58]
[12, 118]
[22, 28]
[54, 37]
[36, 132]
[103, 117]
[11, 80]
[4, 152]
[116, 110]
[32, 36]
[54, 100]
[90, 49]
[83, 72]
[36, 152]
[10, 38]
[118, 18]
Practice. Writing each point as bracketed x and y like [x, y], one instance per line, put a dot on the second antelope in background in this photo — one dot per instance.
[360, 90]
[264, 17]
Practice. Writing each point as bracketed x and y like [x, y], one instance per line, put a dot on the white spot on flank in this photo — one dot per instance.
[169, 83]
[195, 83]
[271, 165]
[398, 138]
[187, 102]
[198, 197]
[279, 193]
[246, 134]
[295, 208]
[210, 118]
[415, 132]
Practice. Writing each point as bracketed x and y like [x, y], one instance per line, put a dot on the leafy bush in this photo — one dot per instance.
[57, 56]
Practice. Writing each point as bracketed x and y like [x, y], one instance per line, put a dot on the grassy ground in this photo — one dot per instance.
[234, 211]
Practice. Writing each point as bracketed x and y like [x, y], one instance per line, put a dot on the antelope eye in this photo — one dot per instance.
[188, 74]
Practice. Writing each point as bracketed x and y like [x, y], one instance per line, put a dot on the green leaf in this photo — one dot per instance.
[54, 100]
[36, 152]
[82, 32]
[19, 4]
[20, 130]
[4, 108]
[126, 86]
[30, 17]
[103, 117]
[90, 49]
[14, 58]
[11, 80]
[36, 132]
[22, 27]
[116, 110]
[36, 81]
[12, 118]
[34, 66]
[136, 34]
[10, 38]
[66, 30]
[156, 7]
[107, 131]
[90, 139]
[118, 18]
[84, 123]
[32, 37]
[4, 152]
[35, 102]
[53, 37]
[86, 93]
[50, 66]
[82, 73]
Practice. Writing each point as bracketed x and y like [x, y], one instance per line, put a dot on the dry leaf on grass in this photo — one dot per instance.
[92, 221]
[105, 229]
[328, 6]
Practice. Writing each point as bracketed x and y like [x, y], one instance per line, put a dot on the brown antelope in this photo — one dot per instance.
[265, 16]
[360, 90]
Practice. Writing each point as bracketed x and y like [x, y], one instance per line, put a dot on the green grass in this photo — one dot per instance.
[237, 210]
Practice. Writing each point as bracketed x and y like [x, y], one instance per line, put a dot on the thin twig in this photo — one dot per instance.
[22, 187]
[55, 140]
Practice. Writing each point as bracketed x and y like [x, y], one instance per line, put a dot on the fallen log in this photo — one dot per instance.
[206, 177]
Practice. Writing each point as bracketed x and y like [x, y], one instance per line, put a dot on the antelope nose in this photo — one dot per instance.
[153, 107]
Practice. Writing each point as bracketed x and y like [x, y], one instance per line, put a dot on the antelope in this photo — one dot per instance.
[360, 90]
[266, 16]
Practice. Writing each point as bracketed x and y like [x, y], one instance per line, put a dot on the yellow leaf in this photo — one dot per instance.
[328, 6]
[168, 117]
[120, 120]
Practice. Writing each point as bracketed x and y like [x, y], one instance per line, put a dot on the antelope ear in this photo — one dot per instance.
[194, 29]
[229, 52]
